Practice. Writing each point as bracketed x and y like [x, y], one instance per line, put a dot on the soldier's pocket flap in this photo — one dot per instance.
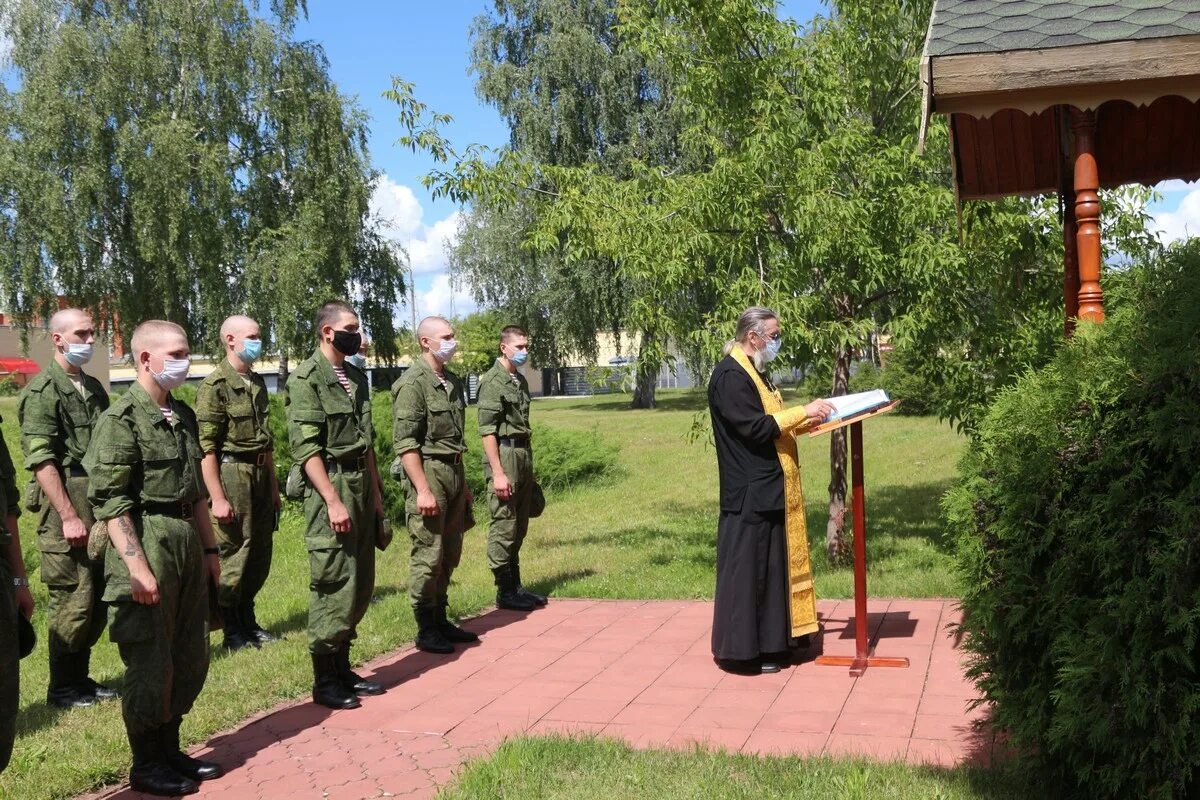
[130, 622]
[337, 402]
[241, 409]
[327, 566]
[321, 540]
[49, 541]
[79, 418]
[155, 451]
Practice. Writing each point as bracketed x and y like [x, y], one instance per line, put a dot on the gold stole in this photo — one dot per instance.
[802, 598]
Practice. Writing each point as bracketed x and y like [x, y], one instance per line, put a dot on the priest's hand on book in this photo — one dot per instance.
[819, 410]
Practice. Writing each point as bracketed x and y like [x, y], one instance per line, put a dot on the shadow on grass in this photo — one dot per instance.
[547, 586]
[690, 401]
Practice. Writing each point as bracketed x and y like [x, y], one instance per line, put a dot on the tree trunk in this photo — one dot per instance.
[646, 376]
[835, 533]
[281, 383]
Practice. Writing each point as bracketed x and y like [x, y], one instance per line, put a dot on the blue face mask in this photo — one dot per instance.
[772, 349]
[358, 360]
[518, 358]
[78, 354]
[251, 350]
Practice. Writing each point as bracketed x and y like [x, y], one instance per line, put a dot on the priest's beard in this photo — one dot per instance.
[759, 360]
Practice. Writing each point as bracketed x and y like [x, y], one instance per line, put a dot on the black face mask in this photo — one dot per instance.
[347, 343]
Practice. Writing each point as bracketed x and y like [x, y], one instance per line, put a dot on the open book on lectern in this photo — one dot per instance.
[853, 405]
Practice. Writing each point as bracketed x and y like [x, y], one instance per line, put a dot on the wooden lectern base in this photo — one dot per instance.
[862, 657]
[859, 665]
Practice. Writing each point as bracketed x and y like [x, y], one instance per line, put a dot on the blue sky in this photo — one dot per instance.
[369, 41]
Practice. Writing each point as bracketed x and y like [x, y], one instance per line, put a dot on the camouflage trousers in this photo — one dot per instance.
[341, 565]
[510, 518]
[164, 646]
[247, 541]
[437, 540]
[75, 614]
[10, 671]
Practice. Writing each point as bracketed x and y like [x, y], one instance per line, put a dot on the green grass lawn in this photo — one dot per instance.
[652, 532]
[599, 769]
[647, 532]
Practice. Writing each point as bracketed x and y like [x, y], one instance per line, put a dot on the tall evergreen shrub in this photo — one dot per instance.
[1078, 522]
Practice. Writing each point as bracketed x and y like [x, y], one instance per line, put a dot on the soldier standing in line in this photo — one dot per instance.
[331, 433]
[143, 465]
[233, 410]
[57, 411]
[428, 415]
[508, 466]
[15, 599]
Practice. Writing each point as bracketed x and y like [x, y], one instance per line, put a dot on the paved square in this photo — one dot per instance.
[640, 671]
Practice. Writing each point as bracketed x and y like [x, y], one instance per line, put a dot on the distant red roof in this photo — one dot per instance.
[18, 366]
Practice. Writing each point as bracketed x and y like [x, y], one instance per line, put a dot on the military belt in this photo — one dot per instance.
[448, 458]
[347, 464]
[75, 472]
[514, 441]
[176, 510]
[258, 459]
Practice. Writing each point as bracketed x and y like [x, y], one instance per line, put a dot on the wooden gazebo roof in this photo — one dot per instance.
[1009, 72]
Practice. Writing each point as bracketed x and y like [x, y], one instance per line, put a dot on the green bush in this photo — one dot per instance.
[918, 396]
[9, 387]
[1077, 515]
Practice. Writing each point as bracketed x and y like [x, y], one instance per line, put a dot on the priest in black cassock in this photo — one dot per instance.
[764, 577]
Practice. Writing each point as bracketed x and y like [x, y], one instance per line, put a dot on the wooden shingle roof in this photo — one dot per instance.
[959, 27]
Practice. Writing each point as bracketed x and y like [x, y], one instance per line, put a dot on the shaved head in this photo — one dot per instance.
[432, 327]
[151, 333]
[238, 326]
[68, 319]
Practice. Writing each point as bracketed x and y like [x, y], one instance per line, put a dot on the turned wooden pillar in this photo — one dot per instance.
[1087, 215]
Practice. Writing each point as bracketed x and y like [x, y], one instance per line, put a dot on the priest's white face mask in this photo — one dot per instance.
[766, 344]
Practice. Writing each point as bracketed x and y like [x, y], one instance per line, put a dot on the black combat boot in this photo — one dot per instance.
[236, 635]
[328, 690]
[250, 626]
[180, 761]
[87, 685]
[429, 636]
[506, 591]
[151, 773]
[538, 599]
[452, 632]
[64, 690]
[351, 680]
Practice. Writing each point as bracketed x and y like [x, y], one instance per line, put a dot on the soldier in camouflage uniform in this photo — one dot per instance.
[144, 470]
[57, 411]
[508, 466]
[239, 470]
[14, 599]
[331, 434]
[428, 414]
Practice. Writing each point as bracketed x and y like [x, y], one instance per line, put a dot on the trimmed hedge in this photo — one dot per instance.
[1077, 516]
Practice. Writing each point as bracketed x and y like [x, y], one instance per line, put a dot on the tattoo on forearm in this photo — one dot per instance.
[132, 548]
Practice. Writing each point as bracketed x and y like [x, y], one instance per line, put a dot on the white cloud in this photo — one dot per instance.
[400, 213]
[1183, 222]
[444, 299]
[1174, 185]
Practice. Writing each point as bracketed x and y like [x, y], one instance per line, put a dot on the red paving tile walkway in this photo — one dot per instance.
[639, 671]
